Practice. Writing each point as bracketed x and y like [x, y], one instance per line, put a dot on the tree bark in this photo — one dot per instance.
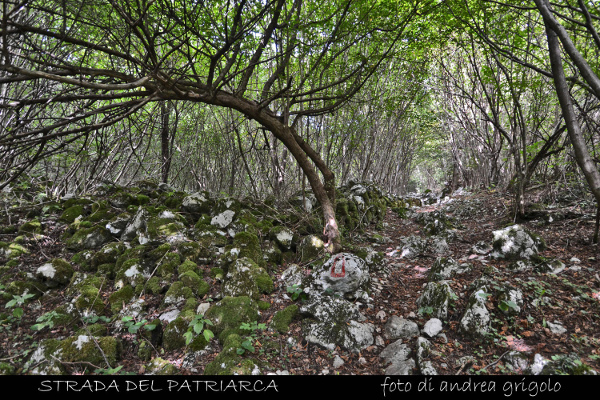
[299, 149]
[580, 149]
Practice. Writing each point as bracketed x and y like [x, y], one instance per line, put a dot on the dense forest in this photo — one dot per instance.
[291, 110]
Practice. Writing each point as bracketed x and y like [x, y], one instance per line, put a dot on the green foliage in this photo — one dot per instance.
[505, 305]
[46, 321]
[18, 300]
[296, 292]
[196, 327]
[250, 340]
[134, 326]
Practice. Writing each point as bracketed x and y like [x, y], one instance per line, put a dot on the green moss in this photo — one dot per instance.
[145, 351]
[142, 199]
[12, 250]
[131, 272]
[177, 293]
[94, 330]
[21, 288]
[264, 227]
[217, 273]
[89, 238]
[154, 286]
[134, 252]
[263, 305]
[71, 213]
[168, 265]
[6, 368]
[31, 227]
[62, 271]
[191, 304]
[191, 280]
[173, 338]
[83, 349]
[172, 200]
[249, 246]
[121, 297]
[228, 314]
[89, 300]
[188, 265]
[228, 362]
[109, 254]
[265, 283]
[83, 259]
[159, 252]
[158, 366]
[282, 319]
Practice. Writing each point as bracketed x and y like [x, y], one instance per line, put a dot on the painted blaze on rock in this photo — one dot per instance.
[344, 273]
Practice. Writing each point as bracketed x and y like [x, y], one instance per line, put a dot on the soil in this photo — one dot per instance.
[570, 297]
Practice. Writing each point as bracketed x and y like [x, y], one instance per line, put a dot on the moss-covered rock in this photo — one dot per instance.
[217, 273]
[310, 248]
[165, 225]
[118, 299]
[12, 250]
[177, 293]
[249, 246]
[168, 265]
[229, 313]
[282, 319]
[197, 203]
[435, 299]
[158, 366]
[58, 272]
[96, 351]
[188, 265]
[245, 277]
[89, 300]
[31, 227]
[191, 280]
[173, 338]
[21, 288]
[132, 272]
[271, 252]
[515, 242]
[89, 238]
[72, 213]
[284, 237]
[108, 254]
[228, 362]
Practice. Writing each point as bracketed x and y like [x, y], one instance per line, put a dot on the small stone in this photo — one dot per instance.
[337, 362]
[433, 327]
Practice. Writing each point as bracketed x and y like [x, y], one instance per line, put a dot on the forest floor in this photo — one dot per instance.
[571, 297]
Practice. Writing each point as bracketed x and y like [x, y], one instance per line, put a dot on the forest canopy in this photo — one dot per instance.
[271, 97]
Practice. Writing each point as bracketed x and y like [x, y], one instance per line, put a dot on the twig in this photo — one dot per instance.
[495, 362]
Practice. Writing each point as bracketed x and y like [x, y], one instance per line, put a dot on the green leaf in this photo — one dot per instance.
[198, 327]
[208, 335]
[188, 337]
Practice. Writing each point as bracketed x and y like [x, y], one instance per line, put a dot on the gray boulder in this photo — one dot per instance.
[400, 328]
[444, 268]
[136, 227]
[332, 321]
[397, 359]
[435, 299]
[516, 243]
[476, 319]
[344, 274]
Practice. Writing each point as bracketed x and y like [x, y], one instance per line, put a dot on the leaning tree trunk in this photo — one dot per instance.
[304, 155]
[582, 155]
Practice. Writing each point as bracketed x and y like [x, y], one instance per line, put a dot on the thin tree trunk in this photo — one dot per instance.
[582, 155]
